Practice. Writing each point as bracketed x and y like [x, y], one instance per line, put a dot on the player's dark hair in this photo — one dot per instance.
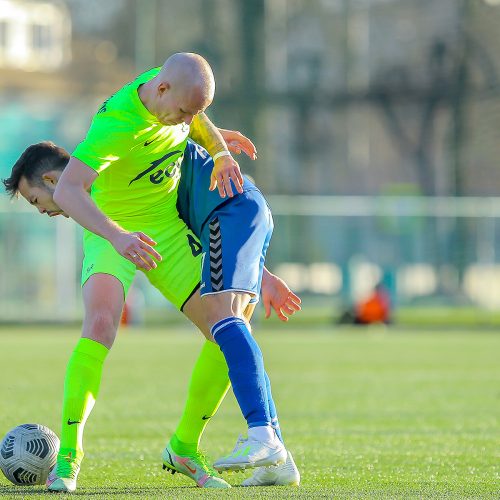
[33, 163]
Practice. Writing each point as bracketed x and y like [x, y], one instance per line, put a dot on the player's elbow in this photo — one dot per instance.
[61, 195]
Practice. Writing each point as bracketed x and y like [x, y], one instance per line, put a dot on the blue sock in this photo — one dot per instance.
[272, 409]
[246, 369]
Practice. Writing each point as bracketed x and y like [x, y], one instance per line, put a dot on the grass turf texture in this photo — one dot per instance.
[367, 413]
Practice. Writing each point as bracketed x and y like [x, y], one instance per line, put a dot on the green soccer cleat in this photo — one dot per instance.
[62, 478]
[285, 474]
[194, 467]
[249, 453]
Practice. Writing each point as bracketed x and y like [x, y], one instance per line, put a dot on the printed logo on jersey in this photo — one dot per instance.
[104, 105]
[171, 170]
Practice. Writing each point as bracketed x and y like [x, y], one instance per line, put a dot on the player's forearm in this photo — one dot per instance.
[77, 203]
[206, 134]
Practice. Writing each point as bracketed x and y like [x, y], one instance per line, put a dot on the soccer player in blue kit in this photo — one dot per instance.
[234, 234]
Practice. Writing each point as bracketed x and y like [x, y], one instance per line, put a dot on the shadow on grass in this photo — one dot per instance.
[25, 491]
[165, 492]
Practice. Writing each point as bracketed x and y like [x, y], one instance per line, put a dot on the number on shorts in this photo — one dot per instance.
[195, 246]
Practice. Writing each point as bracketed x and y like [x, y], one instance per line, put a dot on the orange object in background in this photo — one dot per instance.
[375, 309]
[125, 318]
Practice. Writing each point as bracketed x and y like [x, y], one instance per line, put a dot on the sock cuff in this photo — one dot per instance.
[92, 348]
[182, 448]
[223, 323]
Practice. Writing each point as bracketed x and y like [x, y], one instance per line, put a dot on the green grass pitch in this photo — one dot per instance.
[367, 413]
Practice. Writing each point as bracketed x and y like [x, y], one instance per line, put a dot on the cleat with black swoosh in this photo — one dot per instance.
[195, 467]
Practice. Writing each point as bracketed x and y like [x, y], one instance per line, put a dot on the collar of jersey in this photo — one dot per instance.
[144, 78]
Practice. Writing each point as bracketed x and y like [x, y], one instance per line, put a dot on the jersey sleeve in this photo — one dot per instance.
[105, 143]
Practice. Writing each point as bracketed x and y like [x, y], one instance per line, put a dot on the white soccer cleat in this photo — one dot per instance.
[62, 478]
[285, 474]
[249, 453]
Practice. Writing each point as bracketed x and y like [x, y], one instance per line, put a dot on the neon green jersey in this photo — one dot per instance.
[137, 158]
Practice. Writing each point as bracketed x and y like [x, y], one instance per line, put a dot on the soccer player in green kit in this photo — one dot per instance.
[137, 194]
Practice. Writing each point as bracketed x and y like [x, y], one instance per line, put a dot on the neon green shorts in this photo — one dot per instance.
[177, 275]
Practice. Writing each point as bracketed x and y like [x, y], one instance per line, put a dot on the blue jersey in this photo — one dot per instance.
[195, 201]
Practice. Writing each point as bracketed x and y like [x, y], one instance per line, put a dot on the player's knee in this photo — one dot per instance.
[101, 327]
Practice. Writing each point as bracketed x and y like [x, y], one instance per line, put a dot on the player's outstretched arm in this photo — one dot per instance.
[226, 168]
[277, 295]
[71, 195]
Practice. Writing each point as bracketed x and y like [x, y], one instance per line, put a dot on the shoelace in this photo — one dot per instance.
[241, 440]
[66, 468]
[204, 462]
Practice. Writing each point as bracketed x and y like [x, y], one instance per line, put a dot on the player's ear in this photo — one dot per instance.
[163, 87]
[50, 178]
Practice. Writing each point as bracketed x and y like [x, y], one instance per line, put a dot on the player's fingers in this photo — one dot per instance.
[248, 146]
[146, 238]
[139, 261]
[147, 262]
[267, 308]
[294, 297]
[220, 185]
[293, 305]
[151, 251]
[237, 180]
[227, 185]
[280, 315]
[213, 183]
[234, 147]
[287, 309]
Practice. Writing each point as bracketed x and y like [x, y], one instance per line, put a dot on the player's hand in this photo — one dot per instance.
[277, 295]
[237, 143]
[226, 169]
[137, 248]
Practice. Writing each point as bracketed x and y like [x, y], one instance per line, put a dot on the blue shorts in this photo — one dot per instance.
[234, 242]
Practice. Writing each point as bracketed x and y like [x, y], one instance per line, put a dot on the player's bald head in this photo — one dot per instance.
[191, 73]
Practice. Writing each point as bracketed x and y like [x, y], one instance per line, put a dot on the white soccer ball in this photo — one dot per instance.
[27, 454]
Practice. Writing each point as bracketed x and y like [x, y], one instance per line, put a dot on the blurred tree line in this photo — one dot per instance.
[341, 96]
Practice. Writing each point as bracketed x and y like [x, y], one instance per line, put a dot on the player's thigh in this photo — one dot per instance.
[103, 301]
[194, 310]
[234, 244]
[226, 304]
[106, 278]
[177, 275]
[100, 257]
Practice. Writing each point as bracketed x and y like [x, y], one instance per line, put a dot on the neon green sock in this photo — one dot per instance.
[208, 385]
[81, 386]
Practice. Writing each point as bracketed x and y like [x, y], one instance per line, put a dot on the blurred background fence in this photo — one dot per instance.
[377, 124]
[430, 253]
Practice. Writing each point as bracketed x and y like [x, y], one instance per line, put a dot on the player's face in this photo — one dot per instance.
[40, 197]
[177, 106]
